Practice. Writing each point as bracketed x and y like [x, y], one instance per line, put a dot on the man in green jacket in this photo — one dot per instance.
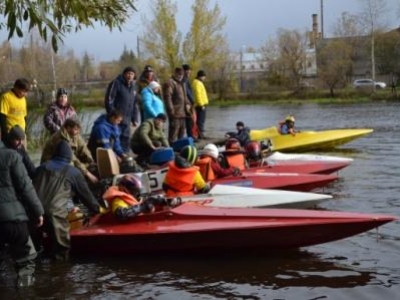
[149, 137]
[18, 199]
[81, 158]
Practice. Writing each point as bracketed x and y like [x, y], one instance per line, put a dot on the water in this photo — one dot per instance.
[366, 266]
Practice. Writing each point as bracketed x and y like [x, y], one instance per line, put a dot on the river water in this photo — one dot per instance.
[366, 266]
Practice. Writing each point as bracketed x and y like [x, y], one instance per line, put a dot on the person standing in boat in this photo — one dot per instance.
[105, 134]
[210, 167]
[182, 177]
[56, 183]
[81, 157]
[58, 112]
[287, 126]
[242, 134]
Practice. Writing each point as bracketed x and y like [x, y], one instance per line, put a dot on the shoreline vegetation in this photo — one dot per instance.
[94, 99]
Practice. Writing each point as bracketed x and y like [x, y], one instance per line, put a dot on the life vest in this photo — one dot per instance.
[206, 169]
[179, 182]
[113, 192]
[236, 159]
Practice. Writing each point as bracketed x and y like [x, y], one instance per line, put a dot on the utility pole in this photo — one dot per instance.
[322, 19]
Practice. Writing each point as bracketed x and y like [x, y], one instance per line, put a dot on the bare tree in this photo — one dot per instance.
[372, 18]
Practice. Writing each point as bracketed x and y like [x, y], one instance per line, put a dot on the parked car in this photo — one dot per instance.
[358, 83]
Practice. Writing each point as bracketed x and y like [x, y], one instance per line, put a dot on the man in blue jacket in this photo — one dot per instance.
[121, 95]
[105, 134]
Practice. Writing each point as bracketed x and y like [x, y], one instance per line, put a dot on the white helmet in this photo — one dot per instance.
[211, 150]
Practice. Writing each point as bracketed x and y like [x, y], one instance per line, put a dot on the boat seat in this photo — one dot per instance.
[107, 163]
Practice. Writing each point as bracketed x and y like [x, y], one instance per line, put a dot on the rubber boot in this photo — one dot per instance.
[25, 281]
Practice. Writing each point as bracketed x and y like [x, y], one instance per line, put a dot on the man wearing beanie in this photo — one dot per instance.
[17, 200]
[15, 140]
[57, 182]
[200, 101]
[121, 95]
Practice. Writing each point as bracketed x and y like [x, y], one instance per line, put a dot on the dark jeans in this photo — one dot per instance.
[16, 235]
[143, 153]
[125, 136]
[201, 119]
[189, 125]
[176, 129]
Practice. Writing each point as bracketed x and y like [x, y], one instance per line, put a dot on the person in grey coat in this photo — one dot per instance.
[18, 200]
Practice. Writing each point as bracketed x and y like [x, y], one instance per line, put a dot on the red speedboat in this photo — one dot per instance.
[309, 167]
[283, 181]
[200, 229]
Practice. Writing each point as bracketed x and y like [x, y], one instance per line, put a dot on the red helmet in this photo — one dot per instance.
[232, 144]
[253, 150]
[131, 185]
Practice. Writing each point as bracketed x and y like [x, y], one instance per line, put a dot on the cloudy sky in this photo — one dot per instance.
[249, 23]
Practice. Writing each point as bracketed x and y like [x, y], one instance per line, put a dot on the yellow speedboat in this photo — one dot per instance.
[307, 140]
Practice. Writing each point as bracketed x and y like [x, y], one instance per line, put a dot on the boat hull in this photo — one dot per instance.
[308, 167]
[308, 140]
[197, 229]
[285, 181]
[153, 180]
[232, 196]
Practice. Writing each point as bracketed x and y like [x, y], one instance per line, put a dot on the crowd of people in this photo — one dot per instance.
[133, 124]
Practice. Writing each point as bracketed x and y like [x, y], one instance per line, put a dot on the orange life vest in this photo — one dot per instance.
[113, 192]
[236, 160]
[206, 170]
[179, 182]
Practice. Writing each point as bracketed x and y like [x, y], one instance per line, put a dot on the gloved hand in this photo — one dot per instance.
[236, 171]
[103, 210]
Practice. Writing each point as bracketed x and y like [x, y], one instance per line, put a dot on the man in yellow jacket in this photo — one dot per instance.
[200, 101]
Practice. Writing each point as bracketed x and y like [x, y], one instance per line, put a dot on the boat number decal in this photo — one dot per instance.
[201, 202]
[156, 178]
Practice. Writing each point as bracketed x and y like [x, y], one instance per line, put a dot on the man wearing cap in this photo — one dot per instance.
[15, 141]
[152, 105]
[121, 95]
[200, 101]
[149, 137]
[176, 104]
[13, 109]
[242, 134]
[58, 112]
[189, 93]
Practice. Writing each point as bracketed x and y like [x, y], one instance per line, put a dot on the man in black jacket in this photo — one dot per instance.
[56, 182]
[121, 95]
[18, 199]
[15, 140]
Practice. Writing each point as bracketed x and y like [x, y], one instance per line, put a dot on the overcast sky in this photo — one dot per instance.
[249, 23]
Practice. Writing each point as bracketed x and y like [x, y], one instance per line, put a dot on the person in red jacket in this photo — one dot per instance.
[210, 167]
